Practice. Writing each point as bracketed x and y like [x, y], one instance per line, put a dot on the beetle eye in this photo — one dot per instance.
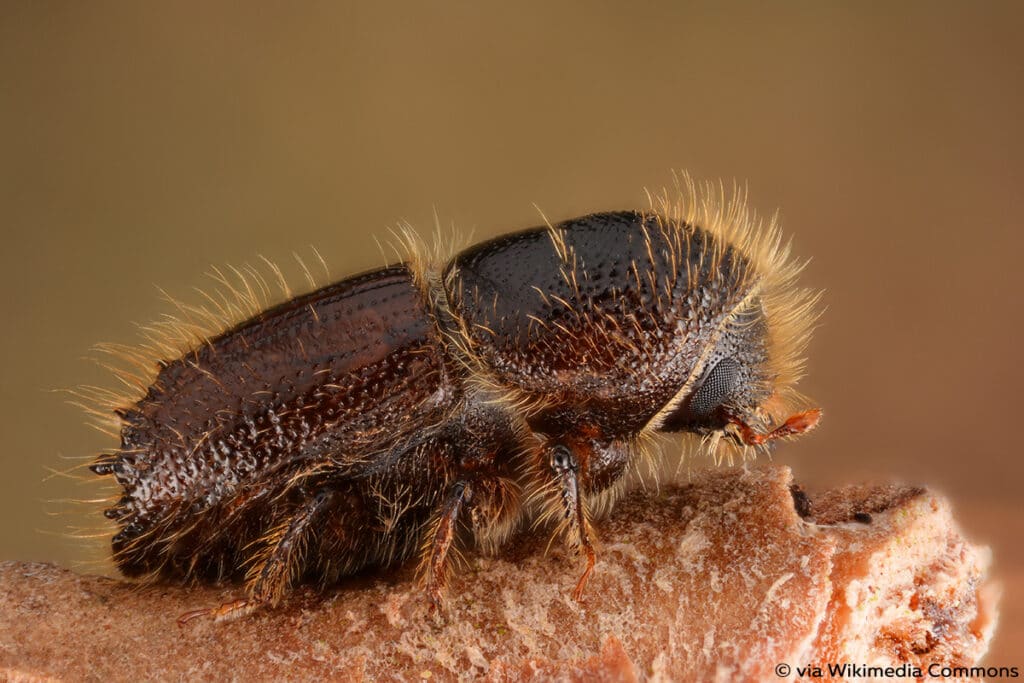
[717, 387]
[561, 459]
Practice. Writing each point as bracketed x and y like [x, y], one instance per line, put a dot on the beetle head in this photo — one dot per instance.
[734, 394]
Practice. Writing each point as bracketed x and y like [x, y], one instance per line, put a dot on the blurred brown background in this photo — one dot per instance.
[141, 144]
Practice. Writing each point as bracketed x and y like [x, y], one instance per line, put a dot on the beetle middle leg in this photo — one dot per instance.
[485, 503]
[442, 539]
[485, 450]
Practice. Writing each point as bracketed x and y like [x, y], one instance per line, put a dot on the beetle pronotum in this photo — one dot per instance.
[401, 411]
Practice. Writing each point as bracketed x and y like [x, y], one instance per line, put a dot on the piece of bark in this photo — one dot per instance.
[721, 579]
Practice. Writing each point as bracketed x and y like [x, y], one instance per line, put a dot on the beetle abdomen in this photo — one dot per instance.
[331, 376]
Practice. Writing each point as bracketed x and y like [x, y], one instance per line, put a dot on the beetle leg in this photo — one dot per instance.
[444, 534]
[270, 577]
[575, 521]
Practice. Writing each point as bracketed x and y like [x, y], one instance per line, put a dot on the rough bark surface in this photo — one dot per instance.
[721, 579]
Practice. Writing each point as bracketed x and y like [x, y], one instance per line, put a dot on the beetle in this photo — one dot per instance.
[426, 405]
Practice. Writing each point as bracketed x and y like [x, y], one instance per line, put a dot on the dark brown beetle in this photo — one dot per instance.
[396, 412]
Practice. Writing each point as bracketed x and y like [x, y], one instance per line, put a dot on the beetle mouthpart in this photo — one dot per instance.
[795, 424]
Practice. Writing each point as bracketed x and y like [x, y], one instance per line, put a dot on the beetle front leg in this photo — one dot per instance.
[574, 513]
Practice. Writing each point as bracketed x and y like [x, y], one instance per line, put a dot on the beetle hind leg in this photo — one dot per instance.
[275, 565]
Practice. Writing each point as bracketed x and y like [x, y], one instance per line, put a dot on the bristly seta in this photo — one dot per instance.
[439, 403]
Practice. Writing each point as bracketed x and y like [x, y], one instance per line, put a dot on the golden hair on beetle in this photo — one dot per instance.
[447, 398]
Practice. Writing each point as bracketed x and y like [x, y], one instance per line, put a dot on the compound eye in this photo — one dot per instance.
[719, 385]
[561, 459]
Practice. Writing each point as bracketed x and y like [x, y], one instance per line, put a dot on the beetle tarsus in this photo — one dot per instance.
[225, 612]
[577, 593]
